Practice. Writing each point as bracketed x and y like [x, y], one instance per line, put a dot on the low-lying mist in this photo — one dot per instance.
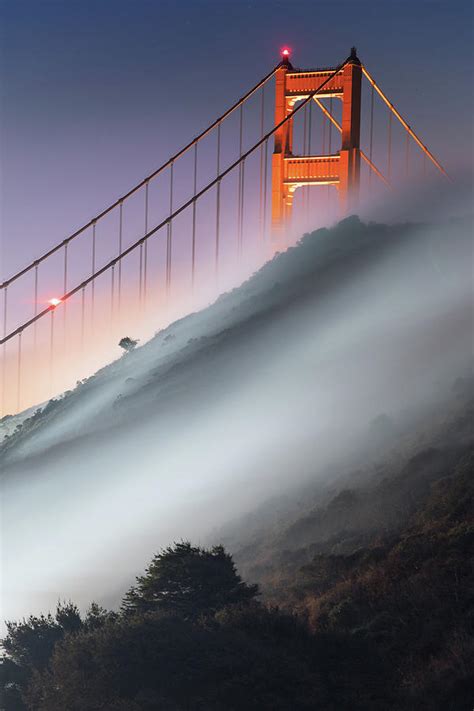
[230, 406]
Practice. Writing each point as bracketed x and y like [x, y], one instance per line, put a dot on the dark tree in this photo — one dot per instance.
[246, 658]
[13, 679]
[128, 344]
[189, 581]
[29, 645]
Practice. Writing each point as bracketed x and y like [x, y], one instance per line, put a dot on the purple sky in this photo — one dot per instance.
[97, 94]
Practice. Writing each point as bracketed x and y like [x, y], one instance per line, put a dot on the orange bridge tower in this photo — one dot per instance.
[342, 168]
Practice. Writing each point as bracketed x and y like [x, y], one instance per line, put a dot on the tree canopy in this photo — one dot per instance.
[189, 581]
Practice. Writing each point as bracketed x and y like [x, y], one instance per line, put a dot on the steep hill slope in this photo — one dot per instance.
[205, 421]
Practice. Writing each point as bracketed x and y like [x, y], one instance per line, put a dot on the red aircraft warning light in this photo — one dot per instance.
[54, 302]
[285, 52]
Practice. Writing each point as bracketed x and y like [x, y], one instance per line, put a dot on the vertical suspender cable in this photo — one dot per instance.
[310, 128]
[64, 304]
[171, 222]
[265, 180]
[65, 270]
[305, 151]
[18, 375]
[329, 139]
[142, 248]
[112, 296]
[324, 152]
[4, 354]
[36, 305]
[140, 276]
[305, 127]
[218, 199]
[262, 156]
[145, 248]
[407, 152]
[239, 197]
[389, 160]
[330, 128]
[51, 345]
[5, 309]
[93, 281]
[4, 364]
[242, 196]
[120, 236]
[310, 118]
[193, 243]
[169, 235]
[83, 306]
[371, 136]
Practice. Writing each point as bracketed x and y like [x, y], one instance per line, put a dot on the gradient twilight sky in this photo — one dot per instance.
[96, 93]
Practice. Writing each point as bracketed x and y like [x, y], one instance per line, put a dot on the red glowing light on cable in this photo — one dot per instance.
[54, 302]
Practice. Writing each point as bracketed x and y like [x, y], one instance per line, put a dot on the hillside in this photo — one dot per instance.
[317, 421]
[375, 611]
[177, 438]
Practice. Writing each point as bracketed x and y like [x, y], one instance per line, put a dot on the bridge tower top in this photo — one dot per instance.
[341, 169]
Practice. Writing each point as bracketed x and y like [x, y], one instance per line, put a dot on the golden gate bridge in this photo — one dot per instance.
[220, 206]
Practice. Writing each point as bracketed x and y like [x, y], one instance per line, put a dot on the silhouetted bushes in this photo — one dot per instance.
[385, 624]
[190, 636]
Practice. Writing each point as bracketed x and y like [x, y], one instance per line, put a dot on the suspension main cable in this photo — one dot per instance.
[137, 187]
[180, 209]
[377, 172]
[404, 123]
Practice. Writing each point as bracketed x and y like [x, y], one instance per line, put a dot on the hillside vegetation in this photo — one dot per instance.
[367, 604]
[314, 428]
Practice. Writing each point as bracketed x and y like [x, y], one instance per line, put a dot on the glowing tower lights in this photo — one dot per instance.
[285, 55]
